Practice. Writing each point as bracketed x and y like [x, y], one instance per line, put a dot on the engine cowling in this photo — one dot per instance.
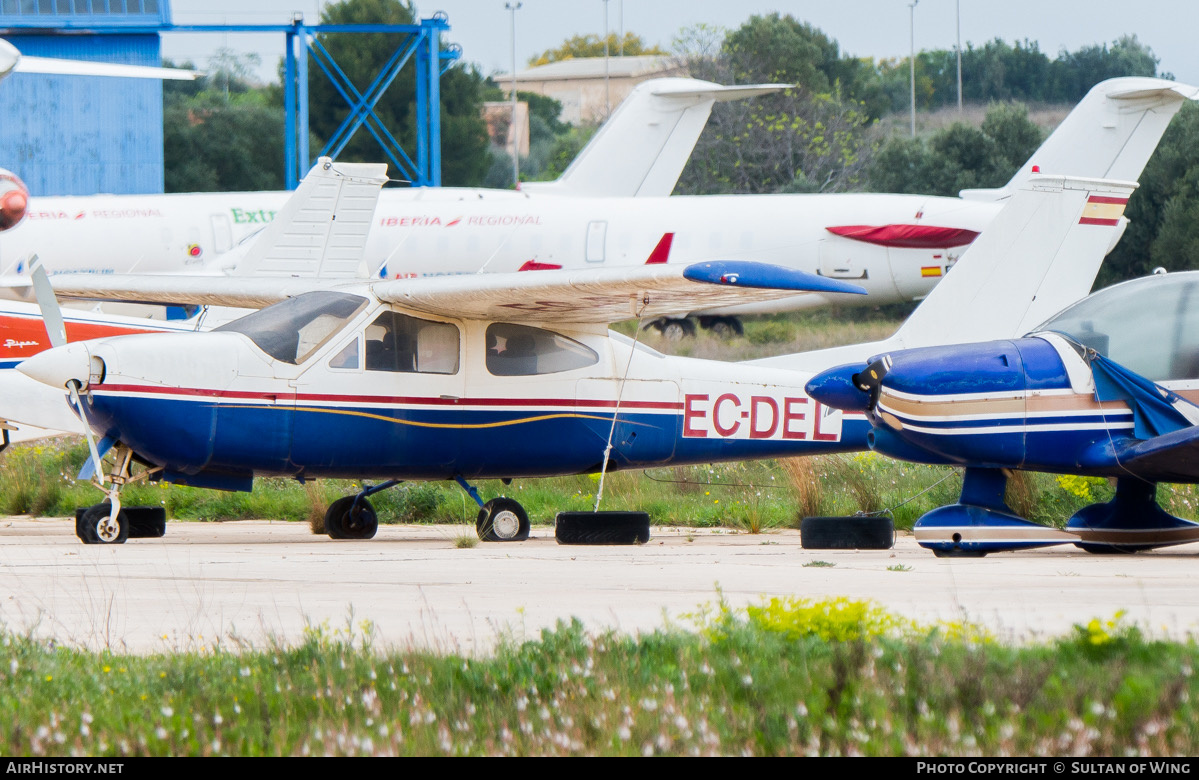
[14, 200]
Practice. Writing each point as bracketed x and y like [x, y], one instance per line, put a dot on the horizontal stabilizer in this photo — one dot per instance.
[643, 147]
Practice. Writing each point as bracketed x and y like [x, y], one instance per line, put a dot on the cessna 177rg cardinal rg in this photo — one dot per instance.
[506, 375]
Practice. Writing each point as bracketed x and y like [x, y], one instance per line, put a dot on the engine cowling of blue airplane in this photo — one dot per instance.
[966, 404]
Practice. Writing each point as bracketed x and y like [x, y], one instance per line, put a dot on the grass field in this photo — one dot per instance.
[783, 677]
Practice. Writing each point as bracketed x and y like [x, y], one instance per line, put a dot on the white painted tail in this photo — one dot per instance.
[321, 231]
[642, 148]
[1110, 134]
[1038, 255]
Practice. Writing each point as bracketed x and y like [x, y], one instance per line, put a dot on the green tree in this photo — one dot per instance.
[809, 139]
[593, 46]
[220, 133]
[958, 157]
[360, 56]
[1163, 212]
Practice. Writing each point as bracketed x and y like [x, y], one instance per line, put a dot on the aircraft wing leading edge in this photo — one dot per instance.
[593, 295]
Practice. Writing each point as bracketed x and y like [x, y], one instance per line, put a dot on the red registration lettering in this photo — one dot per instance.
[690, 413]
[720, 429]
[791, 413]
[817, 435]
[757, 430]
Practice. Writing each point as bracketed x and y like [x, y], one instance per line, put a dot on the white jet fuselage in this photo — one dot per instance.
[450, 231]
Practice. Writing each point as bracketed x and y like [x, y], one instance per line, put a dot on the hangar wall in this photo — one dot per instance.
[82, 135]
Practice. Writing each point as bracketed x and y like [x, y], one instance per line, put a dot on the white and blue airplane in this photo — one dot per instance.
[1109, 387]
[507, 375]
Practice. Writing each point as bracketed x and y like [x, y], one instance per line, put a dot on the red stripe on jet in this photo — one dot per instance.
[533, 265]
[661, 251]
[906, 236]
[1098, 221]
[1107, 199]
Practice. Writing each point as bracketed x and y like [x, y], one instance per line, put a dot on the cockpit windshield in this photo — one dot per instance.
[291, 330]
[1149, 325]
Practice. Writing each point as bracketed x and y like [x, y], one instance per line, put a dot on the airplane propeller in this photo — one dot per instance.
[870, 380]
[56, 330]
[852, 388]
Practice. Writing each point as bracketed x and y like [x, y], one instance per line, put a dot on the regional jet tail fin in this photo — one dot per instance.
[1110, 134]
[321, 231]
[642, 148]
[1039, 254]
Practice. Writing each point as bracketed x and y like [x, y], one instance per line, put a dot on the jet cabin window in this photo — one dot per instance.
[399, 343]
[292, 330]
[1150, 326]
[518, 350]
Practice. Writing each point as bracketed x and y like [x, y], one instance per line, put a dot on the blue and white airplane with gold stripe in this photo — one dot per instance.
[508, 375]
[1106, 388]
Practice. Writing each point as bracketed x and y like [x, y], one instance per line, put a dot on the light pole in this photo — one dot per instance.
[912, 59]
[607, 89]
[958, 4]
[514, 7]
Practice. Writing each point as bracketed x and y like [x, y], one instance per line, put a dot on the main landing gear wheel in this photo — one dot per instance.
[601, 527]
[502, 520]
[858, 532]
[344, 520]
[93, 525]
[723, 327]
[676, 330]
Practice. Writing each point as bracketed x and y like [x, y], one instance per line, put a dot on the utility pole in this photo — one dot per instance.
[514, 7]
[911, 59]
[959, 10]
[607, 89]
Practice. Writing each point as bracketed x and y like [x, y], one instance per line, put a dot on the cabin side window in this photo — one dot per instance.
[402, 344]
[520, 350]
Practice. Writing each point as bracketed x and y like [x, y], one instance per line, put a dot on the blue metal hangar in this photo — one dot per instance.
[81, 135]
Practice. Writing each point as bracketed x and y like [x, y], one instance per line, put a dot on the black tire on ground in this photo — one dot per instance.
[343, 520]
[601, 527]
[88, 520]
[146, 522]
[502, 520]
[676, 329]
[859, 532]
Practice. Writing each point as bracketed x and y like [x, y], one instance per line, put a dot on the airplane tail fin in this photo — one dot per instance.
[1110, 134]
[1039, 254]
[321, 231]
[642, 148]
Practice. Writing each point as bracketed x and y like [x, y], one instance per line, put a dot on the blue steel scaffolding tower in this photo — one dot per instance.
[418, 44]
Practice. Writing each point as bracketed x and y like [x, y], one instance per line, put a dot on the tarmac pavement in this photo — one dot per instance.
[257, 581]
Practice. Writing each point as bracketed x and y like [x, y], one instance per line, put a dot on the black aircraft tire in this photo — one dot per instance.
[87, 520]
[847, 533]
[502, 520]
[339, 523]
[146, 522]
[601, 527]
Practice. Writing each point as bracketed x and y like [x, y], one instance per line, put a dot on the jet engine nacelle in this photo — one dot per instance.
[14, 200]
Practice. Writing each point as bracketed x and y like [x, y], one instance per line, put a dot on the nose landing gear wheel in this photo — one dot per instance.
[346, 521]
[502, 520]
[95, 527]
